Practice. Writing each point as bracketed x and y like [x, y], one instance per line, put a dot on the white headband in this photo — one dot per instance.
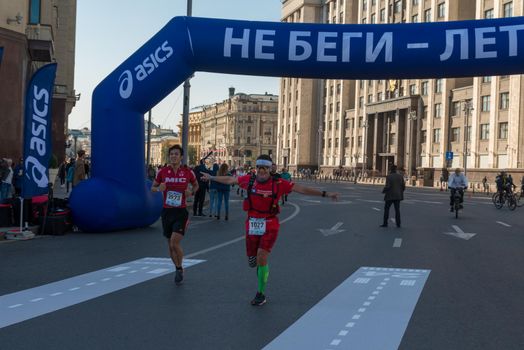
[263, 162]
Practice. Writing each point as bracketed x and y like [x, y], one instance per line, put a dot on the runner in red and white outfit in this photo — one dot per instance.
[261, 204]
[173, 180]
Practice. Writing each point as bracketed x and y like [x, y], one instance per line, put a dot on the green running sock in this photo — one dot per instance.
[263, 274]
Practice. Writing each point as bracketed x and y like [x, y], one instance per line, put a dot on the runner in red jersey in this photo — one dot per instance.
[173, 181]
[261, 204]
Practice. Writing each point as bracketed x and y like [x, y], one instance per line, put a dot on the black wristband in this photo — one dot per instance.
[323, 193]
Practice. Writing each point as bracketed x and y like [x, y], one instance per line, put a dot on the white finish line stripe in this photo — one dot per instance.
[390, 298]
[29, 303]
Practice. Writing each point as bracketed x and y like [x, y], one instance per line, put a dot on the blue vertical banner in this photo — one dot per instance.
[37, 131]
[1, 53]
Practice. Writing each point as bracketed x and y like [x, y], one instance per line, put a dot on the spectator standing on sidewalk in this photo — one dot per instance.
[6, 176]
[18, 177]
[223, 191]
[200, 195]
[286, 176]
[485, 184]
[213, 192]
[394, 193]
[70, 174]
[62, 173]
[80, 169]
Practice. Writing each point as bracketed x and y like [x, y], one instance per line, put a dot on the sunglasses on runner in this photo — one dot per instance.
[262, 167]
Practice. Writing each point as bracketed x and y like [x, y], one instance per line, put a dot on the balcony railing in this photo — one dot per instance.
[41, 42]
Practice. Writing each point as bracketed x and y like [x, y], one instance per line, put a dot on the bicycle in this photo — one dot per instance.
[457, 195]
[500, 199]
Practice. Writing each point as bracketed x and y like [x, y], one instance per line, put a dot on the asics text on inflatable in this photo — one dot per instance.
[144, 69]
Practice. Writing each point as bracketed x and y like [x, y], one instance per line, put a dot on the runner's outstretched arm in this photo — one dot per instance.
[228, 180]
[314, 192]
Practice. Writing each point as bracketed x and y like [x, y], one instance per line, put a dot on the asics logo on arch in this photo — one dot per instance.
[144, 69]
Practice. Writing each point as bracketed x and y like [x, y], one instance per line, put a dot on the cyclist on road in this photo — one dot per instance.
[173, 181]
[261, 204]
[457, 182]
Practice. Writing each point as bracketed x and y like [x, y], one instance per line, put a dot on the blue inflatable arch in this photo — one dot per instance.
[117, 196]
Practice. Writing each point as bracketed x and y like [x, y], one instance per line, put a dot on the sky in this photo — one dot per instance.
[108, 32]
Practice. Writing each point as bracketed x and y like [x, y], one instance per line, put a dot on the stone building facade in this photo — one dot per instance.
[34, 33]
[366, 126]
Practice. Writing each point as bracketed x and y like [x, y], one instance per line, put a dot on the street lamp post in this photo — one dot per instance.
[412, 117]
[468, 107]
[364, 146]
[185, 115]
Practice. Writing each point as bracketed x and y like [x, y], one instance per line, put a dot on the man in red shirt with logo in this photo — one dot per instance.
[173, 181]
[261, 204]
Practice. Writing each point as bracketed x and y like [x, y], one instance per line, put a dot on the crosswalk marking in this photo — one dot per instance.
[30, 303]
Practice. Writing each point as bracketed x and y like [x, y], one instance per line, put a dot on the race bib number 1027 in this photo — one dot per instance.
[257, 226]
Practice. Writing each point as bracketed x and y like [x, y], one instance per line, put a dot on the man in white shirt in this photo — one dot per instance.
[457, 182]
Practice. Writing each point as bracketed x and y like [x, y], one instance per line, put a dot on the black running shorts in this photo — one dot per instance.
[174, 220]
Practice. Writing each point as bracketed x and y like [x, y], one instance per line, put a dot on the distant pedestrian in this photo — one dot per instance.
[485, 184]
[70, 174]
[394, 193]
[80, 169]
[200, 195]
[213, 192]
[62, 173]
[223, 192]
[6, 177]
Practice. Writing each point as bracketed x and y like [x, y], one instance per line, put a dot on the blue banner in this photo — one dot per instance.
[303, 50]
[37, 131]
[1, 53]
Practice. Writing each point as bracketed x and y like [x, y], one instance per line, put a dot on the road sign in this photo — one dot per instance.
[449, 155]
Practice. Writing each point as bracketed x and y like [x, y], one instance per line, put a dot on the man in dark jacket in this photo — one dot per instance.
[394, 193]
[200, 195]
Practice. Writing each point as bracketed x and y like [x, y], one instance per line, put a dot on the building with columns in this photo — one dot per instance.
[366, 126]
[239, 128]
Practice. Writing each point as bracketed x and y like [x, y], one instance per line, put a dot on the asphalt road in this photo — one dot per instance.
[471, 299]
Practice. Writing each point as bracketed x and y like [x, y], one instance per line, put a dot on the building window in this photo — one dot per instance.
[346, 142]
[346, 124]
[423, 136]
[380, 96]
[436, 135]
[503, 131]
[34, 12]
[455, 134]
[398, 6]
[336, 142]
[438, 86]
[382, 15]
[295, 143]
[330, 108]
[504, 100]
[364, 5]
[427, 15]
[360, 102]
[373, 18]
[488, 14]
[484, 131]
[414, 18]
[438, 110]
[441, 10]
[364, 21]
[456, 108]
[360, 121]
[248, 129]
[330, 125]
[508, 9]
[414, 2]
[329, 143]
[338, 106]
[370, 98]
[248, 140]
[413, 89]
[486, 79]
[485, 103]
[425, 112]
[338, 89]
[424, 88]
[337, 122]
[359, 141]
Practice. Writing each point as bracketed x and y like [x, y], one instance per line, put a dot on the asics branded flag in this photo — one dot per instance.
[37, 131]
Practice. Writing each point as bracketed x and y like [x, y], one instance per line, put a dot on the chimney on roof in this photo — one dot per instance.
[231, 92]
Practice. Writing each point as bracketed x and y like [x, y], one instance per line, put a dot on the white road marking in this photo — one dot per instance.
[397, 243]
[15, 307]
[377, 209]
[315, 329]
[503, 224]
